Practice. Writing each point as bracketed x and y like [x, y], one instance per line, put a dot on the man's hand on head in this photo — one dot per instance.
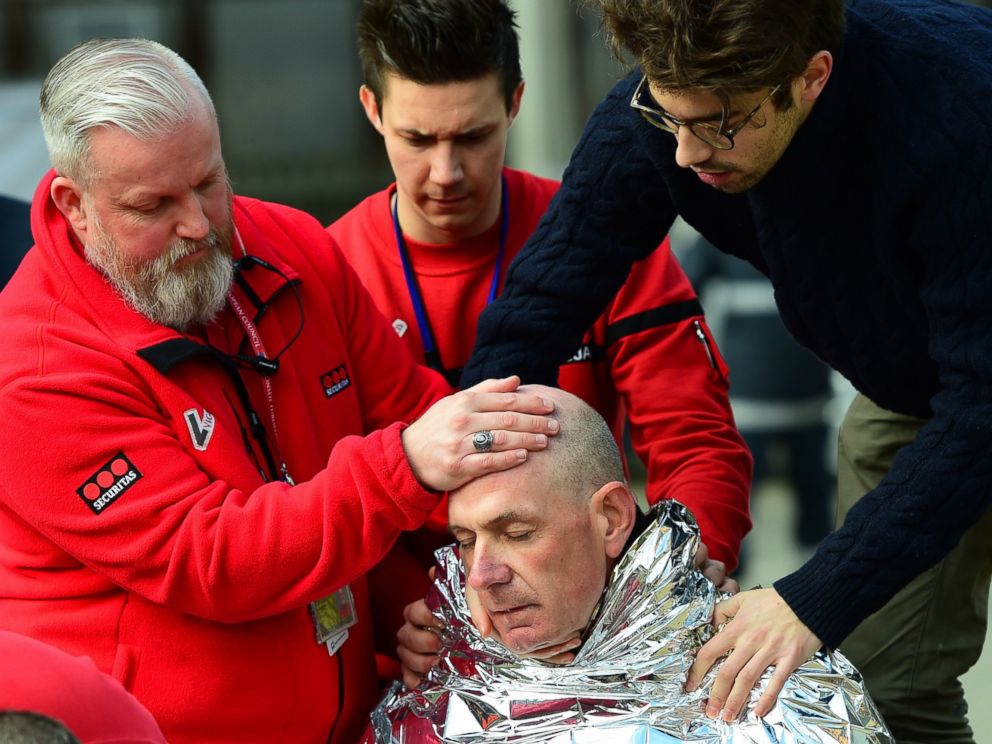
[762, 632]
[715, 571]
[439, 445]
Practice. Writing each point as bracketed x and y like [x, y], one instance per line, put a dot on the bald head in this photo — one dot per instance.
[538, 541]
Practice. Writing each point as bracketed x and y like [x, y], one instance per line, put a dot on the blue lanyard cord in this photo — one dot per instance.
[416, 299]
[504, 228]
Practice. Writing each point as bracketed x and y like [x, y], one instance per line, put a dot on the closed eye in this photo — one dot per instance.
[146, 209]
[464, 539]
[208, 183]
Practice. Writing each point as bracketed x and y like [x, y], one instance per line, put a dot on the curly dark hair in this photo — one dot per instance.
[723, 46]
[438, 41]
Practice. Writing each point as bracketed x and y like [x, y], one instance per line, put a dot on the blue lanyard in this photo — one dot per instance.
[431, 354]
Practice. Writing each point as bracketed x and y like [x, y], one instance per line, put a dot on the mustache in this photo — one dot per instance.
[496, 601]
[185, 247]
[180, 248]
[715, 165]
[167, 263]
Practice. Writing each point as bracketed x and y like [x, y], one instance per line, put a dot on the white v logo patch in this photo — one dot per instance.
[201, 428]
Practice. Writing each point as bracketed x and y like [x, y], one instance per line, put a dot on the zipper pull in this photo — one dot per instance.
[701, 335]
[287, 478]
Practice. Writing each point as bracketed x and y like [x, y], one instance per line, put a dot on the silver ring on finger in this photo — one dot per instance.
[482, 440]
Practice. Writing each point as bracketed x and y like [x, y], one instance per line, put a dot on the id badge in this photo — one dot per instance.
[333, 615]
[336, 641]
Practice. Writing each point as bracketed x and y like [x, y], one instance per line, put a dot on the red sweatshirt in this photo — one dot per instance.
[39, 678]
[649, 356]
[139, 522]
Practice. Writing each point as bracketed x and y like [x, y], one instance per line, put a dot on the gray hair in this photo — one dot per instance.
[584, 454]
[136, 85]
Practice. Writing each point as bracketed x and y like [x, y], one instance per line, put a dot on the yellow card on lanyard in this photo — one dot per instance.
[332, 616]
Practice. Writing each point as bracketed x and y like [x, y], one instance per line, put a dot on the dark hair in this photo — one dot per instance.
[723, 46]
[438, 41]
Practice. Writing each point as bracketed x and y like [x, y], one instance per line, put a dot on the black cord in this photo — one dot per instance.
[340, 657]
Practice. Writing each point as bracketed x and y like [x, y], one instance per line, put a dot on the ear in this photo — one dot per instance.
[371, 106]
[814, 78]
[616, 509]
[68, 198]
[518, 94]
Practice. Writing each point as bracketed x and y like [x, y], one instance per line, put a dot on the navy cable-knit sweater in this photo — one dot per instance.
[15, 235]
[875, 228]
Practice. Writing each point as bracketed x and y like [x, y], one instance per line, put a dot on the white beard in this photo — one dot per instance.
[173, 296]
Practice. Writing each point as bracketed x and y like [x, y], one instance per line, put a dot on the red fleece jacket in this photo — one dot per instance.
[39, 678]
[138, 521]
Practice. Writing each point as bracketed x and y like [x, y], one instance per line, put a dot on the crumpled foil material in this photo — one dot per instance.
[625, 684]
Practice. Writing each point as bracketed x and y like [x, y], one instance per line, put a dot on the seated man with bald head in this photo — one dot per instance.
[538, 544]
[562, 609]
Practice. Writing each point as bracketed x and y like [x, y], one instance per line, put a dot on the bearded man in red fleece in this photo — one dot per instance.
[442, 86]
[212, 442]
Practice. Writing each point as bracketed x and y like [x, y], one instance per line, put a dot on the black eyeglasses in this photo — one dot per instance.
[713, 135]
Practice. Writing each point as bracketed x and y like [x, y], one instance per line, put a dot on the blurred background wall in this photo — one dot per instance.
[284, 75]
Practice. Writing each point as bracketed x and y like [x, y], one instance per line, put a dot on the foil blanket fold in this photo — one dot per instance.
[625, 684]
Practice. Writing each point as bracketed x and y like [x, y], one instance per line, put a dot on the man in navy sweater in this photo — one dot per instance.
[15, 235]
[845, 152]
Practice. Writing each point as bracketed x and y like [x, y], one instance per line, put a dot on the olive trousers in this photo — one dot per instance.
[913, 651]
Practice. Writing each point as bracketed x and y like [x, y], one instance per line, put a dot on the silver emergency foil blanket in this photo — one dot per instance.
[625, 684]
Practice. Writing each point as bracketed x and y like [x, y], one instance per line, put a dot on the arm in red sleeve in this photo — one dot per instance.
[193, 528]
[674, 383]
[181, 538]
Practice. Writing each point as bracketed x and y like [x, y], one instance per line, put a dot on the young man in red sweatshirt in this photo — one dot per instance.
[442, 86]
[209, 439]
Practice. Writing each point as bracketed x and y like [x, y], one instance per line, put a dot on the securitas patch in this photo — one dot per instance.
[335, 381]
[107, 484]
